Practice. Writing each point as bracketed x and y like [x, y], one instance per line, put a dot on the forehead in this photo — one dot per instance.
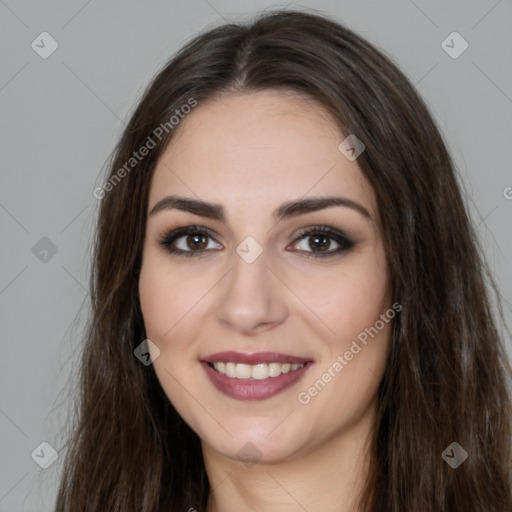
[260, 149]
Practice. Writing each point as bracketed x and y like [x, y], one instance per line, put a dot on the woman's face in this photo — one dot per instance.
[296, 319]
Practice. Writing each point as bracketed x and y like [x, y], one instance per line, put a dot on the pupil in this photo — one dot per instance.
[196, 241]
[321, 246]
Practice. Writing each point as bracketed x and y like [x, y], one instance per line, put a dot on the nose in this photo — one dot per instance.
[252, 299]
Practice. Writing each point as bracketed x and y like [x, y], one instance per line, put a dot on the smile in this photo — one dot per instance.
[254, 376]
[259, 371]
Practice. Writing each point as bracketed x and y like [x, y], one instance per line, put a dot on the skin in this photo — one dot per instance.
[251, 153]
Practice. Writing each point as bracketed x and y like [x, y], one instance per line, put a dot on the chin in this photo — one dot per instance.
[251, 442]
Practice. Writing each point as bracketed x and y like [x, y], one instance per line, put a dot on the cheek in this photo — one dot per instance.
[362, 300]
[165, 300]
[157, 302]
[350, 300]
[345, 383]
[347, 379]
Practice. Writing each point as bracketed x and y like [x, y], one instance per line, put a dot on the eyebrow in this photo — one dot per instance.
[285, 211]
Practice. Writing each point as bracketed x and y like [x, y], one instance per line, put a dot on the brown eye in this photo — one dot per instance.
[319, 242]
[189, 241]
[323, 242]
[196, 241]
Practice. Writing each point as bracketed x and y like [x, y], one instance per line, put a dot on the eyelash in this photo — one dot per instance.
[344, 242]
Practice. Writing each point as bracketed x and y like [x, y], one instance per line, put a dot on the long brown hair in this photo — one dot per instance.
[447, 375]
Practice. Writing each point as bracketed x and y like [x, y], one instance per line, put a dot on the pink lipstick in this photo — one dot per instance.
[256, 376]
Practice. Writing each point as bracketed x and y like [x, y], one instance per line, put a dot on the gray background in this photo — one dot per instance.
[61, 116]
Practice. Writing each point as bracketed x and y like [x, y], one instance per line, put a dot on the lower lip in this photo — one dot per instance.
[253, 389]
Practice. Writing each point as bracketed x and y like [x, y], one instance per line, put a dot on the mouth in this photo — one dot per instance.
[258, 371]
[254, 376]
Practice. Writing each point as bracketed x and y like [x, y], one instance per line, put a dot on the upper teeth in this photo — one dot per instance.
[256, 371]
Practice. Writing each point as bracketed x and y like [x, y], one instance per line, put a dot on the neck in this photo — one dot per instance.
[331, 473]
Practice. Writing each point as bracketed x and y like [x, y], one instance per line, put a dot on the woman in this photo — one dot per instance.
[289, 309]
